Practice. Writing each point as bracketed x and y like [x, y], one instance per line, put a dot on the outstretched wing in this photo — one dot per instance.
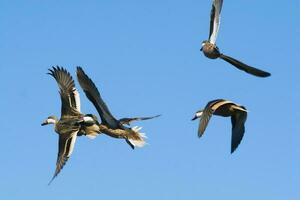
[69, 95]
[66, 144]
[206, 115]
[244, 67]
[130, 120]
[215, 20]
[210, 108]
[94, 96]
[238, 128]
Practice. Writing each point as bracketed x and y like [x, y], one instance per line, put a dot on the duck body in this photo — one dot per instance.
[210, 50]
[64, 125]
[224, 108]
[72, 122]
[109, 124]
[89, 126]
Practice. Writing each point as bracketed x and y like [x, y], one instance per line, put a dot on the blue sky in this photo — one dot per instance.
[144, 57]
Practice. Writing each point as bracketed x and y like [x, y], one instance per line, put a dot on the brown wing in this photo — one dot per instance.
[69, 95]
[65, 148]
[206, 115]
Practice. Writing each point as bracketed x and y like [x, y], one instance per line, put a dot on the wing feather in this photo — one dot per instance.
[244, 67]
[94, 96]
[130, 120]
[66, 145]
[69, 95]
[207, 113]
[238, 128]
[215, 20]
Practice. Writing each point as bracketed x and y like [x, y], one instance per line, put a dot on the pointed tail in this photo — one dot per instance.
[136, 138]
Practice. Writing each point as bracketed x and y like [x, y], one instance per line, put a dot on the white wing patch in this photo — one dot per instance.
[77, 100]
[88, 119]
[72, 144]
[217, 5]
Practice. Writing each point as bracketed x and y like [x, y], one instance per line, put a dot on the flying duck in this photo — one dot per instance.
[224, 108]
[72, 122]
[210, 49]
[109, 124]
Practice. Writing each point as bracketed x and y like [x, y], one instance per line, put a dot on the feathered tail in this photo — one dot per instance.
[136, 138]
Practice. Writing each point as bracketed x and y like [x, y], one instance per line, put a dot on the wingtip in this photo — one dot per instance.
[233, 150]
[81, 73]
[200, 134]
[79, 70]
[53, 71]
[51, 180]
[266, 74]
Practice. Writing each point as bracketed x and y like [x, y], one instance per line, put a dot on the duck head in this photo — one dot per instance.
[50, 120]
[198, 114]
[202, 44]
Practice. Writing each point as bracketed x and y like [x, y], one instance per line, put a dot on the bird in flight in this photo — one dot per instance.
[72, 122]
[210, 49]
[224, 108]
[109, 124]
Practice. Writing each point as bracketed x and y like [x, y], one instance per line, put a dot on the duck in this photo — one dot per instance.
[72, 122]
[224, 108]
[109, 124]
[210, 49]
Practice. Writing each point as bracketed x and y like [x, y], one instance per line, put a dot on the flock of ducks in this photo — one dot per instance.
[74, 123]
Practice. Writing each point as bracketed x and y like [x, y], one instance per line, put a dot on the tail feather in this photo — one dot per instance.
[136, 138]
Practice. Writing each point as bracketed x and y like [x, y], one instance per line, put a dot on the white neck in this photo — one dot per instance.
[51, 121]
[199, 114]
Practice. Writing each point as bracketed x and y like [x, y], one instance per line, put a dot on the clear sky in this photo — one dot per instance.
[144, 57]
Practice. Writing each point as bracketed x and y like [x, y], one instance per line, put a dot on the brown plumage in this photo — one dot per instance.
[210, 49]
[224, 108]
[109, 124]
[72, 122]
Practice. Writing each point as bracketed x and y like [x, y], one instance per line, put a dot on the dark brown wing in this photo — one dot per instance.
[130, 120]
[69, 95]
[66, 145]
[94, 96]
[238, 128]
[244, 67]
